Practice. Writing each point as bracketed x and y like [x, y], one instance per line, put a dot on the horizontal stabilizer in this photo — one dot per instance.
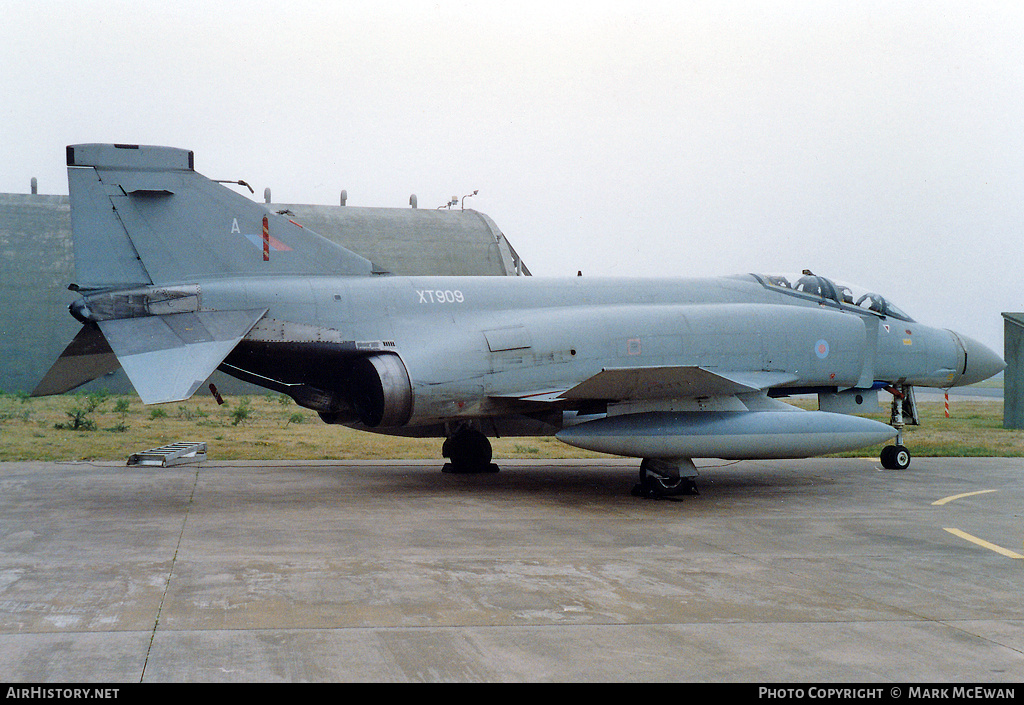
[168, 357]
[86, 358]
[671, 382]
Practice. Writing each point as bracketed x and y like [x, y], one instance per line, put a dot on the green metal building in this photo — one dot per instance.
[1013, 380]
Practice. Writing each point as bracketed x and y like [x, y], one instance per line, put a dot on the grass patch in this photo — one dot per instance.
[271, 428]
[974, 429]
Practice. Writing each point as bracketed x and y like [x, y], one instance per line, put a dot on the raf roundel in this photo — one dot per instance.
[821, 349]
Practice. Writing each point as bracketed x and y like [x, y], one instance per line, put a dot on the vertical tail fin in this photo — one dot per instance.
[142, 215]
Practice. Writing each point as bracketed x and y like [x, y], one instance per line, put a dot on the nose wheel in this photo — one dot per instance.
[895, 457]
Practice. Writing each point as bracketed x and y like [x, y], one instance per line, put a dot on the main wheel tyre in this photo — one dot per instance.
[654, 485]
[469, 451]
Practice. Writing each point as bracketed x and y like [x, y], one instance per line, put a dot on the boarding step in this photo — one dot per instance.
[172, 454]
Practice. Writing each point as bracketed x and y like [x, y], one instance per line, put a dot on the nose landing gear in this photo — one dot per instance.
[904, 411]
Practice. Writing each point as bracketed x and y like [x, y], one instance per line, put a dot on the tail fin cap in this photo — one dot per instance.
[130, 156]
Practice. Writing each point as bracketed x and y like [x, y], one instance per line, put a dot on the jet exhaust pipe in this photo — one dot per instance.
[732, 435]
[379, 390]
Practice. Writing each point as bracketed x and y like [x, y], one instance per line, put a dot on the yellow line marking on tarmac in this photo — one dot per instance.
[984, 544]
[946, 500]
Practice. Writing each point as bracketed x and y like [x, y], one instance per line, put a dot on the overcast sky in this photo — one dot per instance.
[880, 143]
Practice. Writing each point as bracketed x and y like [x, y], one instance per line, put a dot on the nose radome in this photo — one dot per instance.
[982, 362]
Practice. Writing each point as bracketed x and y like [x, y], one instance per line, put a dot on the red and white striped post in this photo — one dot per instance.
[266, 239]
[947, 405]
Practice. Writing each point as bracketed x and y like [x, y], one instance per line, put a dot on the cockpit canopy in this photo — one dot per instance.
[829, 292]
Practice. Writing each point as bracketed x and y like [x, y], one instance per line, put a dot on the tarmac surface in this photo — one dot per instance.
[818, 570]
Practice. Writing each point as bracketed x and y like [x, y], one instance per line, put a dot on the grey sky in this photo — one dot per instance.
[880, 143]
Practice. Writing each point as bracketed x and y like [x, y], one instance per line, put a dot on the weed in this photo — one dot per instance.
[121, 407]
[80, 420]
[241, 413]
[94, 400]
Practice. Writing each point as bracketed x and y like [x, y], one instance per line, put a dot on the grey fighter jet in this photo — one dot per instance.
[180, 276]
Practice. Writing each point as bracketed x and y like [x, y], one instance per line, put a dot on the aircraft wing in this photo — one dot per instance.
[658, 382]
[671, 382]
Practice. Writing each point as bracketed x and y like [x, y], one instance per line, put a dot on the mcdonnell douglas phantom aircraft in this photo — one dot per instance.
[180, 276]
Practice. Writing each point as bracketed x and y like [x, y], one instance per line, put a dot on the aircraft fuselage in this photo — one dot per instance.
[469, 341]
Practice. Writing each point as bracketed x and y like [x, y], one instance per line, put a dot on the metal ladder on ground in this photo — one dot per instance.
[172, 454]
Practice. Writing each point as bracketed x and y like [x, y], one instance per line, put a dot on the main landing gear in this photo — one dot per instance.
[666, 478]
[904, 411]
[469, 452]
